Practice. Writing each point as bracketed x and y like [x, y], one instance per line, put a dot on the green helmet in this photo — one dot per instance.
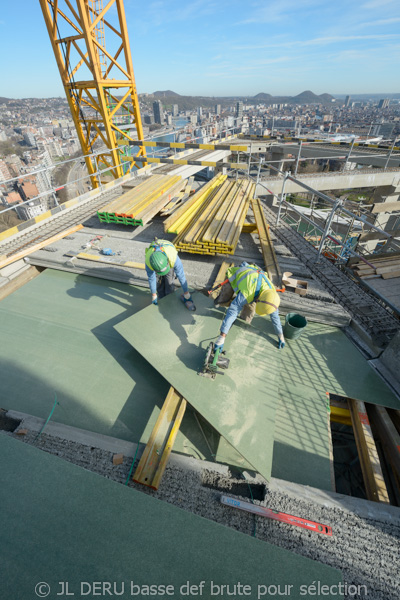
[159, 262]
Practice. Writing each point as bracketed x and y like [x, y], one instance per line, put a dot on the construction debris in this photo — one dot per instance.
[21, 432]
[118, 459]
[298, 286]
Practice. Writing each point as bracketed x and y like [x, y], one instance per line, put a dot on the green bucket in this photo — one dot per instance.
[294, 326]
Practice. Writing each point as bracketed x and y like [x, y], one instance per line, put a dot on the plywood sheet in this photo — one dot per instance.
[324, 360]
[296, 380]
[63, 523]
[241, 404]
[301, 444]
[58, 338]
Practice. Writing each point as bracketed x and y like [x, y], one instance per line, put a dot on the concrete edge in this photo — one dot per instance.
[330, 500]
[386, 375]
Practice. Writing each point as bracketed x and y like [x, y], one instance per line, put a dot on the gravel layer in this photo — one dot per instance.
[367, 551]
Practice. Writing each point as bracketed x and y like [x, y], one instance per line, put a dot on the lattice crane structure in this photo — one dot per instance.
[99, 83]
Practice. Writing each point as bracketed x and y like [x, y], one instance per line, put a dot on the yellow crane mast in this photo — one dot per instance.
[103, 108]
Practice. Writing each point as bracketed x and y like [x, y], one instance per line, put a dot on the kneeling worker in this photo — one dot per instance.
[254, 294]
[162, 264]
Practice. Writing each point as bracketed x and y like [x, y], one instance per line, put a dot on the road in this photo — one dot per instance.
[80, 187]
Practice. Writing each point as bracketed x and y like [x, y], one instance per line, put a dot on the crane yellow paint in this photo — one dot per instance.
[83, 52]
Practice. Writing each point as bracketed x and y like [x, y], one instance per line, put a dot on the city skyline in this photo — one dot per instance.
[208, 48]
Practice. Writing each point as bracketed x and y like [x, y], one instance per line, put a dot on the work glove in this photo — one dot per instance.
[188, 302]
[281, 345]
[154, 300]
[219, 343]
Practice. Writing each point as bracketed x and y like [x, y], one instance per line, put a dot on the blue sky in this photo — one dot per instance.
[226, 47]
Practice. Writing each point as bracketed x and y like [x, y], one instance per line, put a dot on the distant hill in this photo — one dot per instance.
[306, 97]
[261, 97]
[168, 97]
[166, 93]
[327, 97]
[4, 100]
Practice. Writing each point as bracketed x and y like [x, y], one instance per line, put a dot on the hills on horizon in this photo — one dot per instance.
[307, 97]
[170, 97]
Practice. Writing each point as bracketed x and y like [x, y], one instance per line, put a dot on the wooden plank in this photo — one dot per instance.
[206, 215]
[380, 207]
[388, 434]
[134, 209]
[268, 252]
[179, 199]
[340, 415]
[331, 457]
[241, 212]
[391, 275]
[39, 246]
[107, 260]
[371, 468]
[372, 258]
[221, 276]
[249, 228]
[155, 205]
[376, 235]
[135, 192]
[18, 281]
[154, 459]
[175, 221]
[387, 268]
[210, 232]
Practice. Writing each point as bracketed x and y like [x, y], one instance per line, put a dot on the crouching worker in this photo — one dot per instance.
[162, 264]
[254, 294]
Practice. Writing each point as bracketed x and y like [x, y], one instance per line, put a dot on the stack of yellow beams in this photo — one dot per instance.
[143, 202]
[181, 217]
[214, 223]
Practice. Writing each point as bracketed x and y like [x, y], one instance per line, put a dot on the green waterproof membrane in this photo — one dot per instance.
[62, 523]
[240, 404]
[294, 380]
[58, 340]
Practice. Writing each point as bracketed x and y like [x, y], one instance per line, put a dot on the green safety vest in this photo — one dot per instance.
[246, 279]
[167, 247]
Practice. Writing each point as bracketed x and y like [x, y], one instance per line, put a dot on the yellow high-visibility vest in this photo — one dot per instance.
[167, 247]
[245, 279]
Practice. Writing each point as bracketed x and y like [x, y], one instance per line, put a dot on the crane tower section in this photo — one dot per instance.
[99, 82]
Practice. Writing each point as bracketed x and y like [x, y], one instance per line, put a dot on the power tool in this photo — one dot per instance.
[213, 360]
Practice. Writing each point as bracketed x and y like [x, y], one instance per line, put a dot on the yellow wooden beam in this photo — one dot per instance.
[154, 459]
[370, 465]
[267, 248]
[104, 259]
[340, 415]
[249, 228]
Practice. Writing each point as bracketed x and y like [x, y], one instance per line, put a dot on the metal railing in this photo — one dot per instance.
[335, 204]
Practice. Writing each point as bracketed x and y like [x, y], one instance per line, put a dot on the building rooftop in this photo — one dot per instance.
[77, 338]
